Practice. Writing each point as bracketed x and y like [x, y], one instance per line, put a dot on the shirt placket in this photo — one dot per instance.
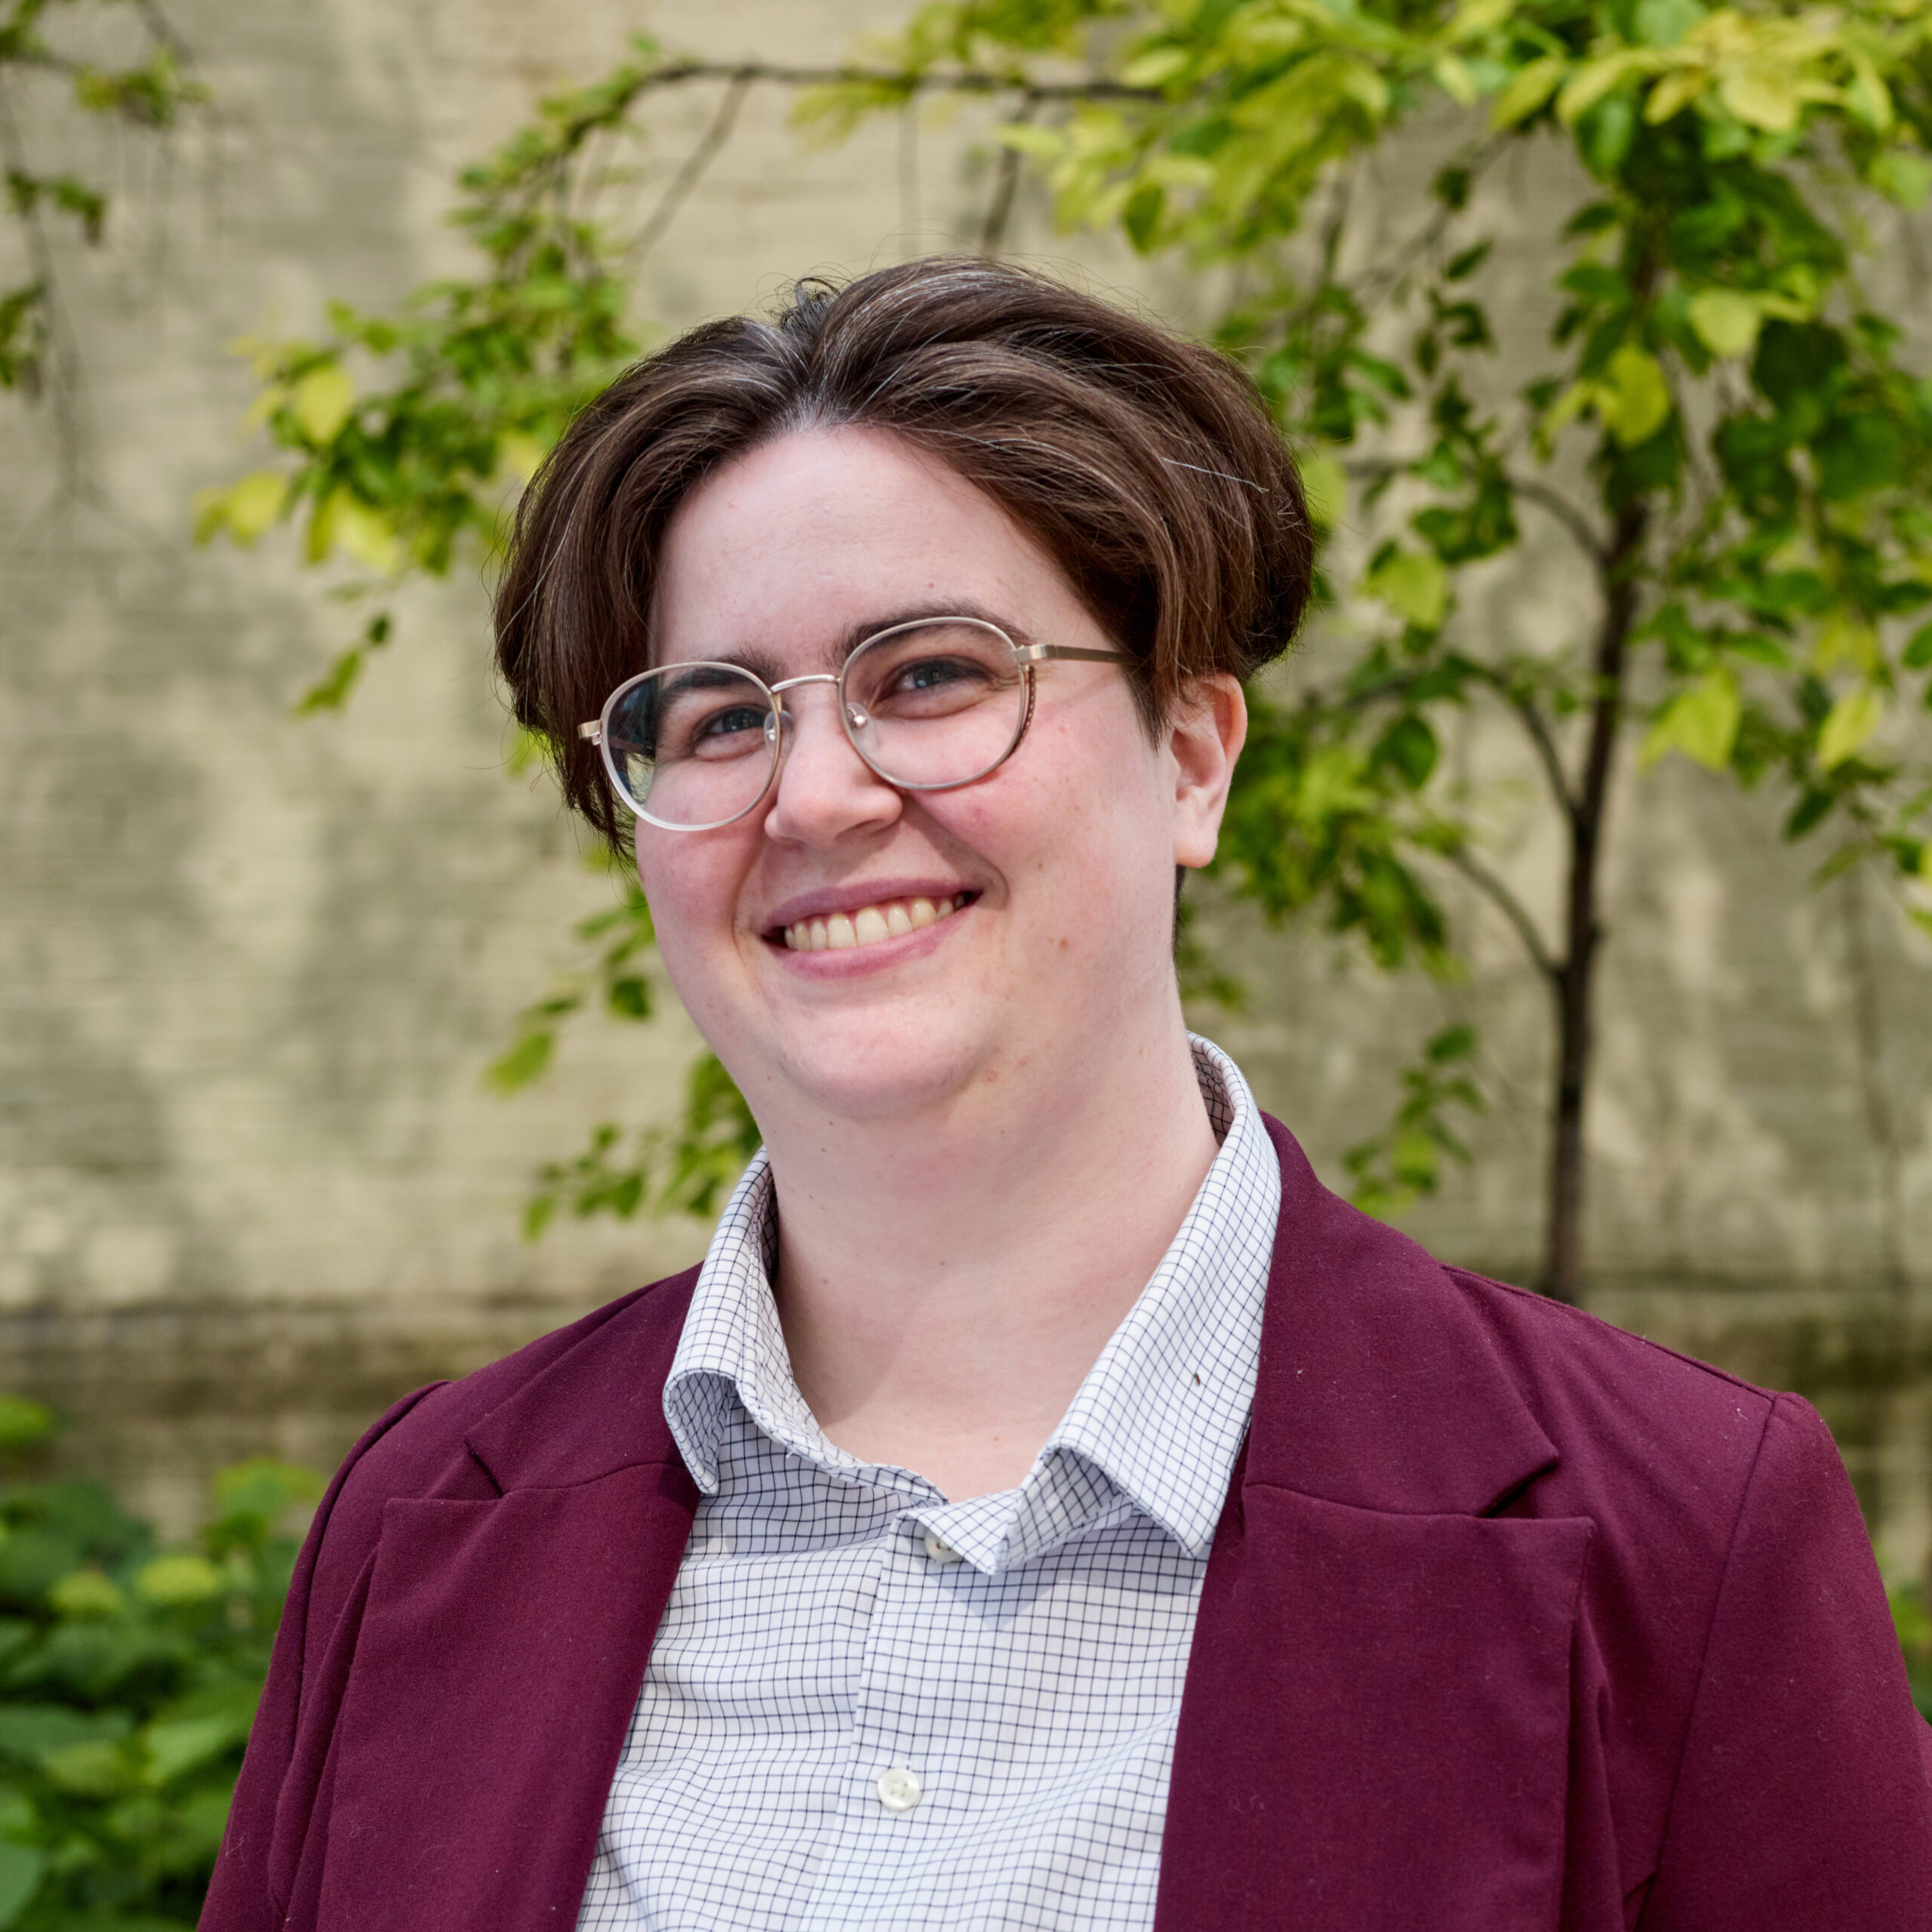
[897, 1791]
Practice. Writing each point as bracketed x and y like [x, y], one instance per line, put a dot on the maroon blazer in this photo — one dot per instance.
[1512, 1621]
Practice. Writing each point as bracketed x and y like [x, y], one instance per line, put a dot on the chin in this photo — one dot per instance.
[881, 1072]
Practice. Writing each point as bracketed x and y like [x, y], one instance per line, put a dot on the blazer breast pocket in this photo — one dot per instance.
[1376, 1728]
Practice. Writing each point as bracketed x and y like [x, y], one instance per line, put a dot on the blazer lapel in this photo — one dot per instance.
[1375, 1727]
[502, 1648]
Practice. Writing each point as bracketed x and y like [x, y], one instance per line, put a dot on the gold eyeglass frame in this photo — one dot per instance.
[851, 717]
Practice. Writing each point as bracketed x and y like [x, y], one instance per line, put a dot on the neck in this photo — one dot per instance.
[945, 1284]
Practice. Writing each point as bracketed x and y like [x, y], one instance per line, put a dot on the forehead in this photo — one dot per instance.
[805, 544]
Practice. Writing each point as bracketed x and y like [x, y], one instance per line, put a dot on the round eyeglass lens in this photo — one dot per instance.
[935, 703]
[692, 746]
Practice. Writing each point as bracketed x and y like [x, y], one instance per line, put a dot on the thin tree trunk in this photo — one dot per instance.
[1575, 978]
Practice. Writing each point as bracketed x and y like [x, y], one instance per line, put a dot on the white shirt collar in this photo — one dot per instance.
[1156, 1425]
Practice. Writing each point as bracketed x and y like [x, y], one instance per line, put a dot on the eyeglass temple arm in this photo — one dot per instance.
[591, 729]
[1034, 653]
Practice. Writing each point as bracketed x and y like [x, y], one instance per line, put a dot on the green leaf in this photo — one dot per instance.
[1902, 177]
[1812, 809]
[1414, 585]
[1861, 450]
[322, 401]
[1633, 399]
[1701, 721]
[1473, 18]
[1918, 650]
[524, 1061]
[181, 1579]
[1155, 69]
[249, 509]
[1762, 97]
[1665, 23]
[1849, 722]
[31, 1733]
[1845, 638]
[1141, 217]
[24, 1424]
[1528, 91]
[1595, 78]
[180, 1744]
[1726, 322]
[20, 1869]
[90, 1771]
[330, 692]
[1326, 484]
[264, 1487]
[628, 997]
[87, 1593]
[1410, 746]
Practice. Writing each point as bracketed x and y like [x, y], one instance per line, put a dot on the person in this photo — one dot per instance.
[1046, 1505]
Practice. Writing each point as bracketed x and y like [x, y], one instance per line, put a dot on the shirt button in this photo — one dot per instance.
[939, 1552]
[898, 1790]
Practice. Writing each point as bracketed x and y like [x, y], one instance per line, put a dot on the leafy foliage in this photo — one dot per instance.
[685, 1168]
[1395, 1168]
[1914, 1624]
[129, 1675]
[460, 394]
[1754, 454]
[1724, 427]
[152, 93]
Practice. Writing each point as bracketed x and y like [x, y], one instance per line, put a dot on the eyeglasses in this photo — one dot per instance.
[929, 704]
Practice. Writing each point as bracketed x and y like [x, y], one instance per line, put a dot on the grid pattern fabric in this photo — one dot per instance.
[1021, 1655]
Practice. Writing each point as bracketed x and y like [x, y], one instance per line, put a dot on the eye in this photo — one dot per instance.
[725, 731]
[926, 674]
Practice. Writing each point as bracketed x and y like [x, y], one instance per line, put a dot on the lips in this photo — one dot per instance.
[868, 925]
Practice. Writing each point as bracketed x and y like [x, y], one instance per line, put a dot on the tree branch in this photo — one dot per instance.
[1381, 280]
[56, 371]
[688, 176]
[1006, 184]
[1512, 908]
[1530, 714]
[1573, 519]
[164, 31]
[964, 80]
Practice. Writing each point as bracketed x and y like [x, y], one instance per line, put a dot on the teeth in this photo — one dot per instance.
[840, 931]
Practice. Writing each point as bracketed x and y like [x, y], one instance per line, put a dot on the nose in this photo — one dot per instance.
[824, 791]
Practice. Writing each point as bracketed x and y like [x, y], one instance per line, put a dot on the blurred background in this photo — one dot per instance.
[254, 965]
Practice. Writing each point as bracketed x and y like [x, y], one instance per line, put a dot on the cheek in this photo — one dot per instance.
[693, 889]
[1082, 837]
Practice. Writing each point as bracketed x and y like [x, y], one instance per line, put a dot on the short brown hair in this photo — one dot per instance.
[1145, 465]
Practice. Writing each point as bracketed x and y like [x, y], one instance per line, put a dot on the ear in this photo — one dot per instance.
[1204, 738]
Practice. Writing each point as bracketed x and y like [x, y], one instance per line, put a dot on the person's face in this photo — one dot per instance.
[1059, 864]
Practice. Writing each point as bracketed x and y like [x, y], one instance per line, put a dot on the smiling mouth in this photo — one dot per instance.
[868, 925]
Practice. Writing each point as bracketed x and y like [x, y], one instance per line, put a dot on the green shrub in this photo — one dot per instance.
[1914, 1623]
[129, 1675]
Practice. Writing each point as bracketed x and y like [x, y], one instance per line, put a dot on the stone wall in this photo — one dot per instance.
[250, 1184]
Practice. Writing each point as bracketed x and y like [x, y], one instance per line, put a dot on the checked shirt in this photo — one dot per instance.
[868, 1707]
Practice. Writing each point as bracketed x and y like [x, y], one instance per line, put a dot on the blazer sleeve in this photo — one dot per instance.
[1804, 1796]
[245, 1894]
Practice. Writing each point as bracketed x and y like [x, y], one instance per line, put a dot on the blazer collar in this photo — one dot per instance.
[598, 1408]
[1380, 1384]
